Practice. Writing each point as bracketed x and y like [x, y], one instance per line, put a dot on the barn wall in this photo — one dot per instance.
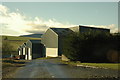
[50, 39]
[60, 45]
[37, 50]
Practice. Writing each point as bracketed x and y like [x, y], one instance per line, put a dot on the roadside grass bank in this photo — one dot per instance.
[9, 66]
[114, 66]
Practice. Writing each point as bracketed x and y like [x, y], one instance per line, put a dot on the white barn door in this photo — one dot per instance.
[51, 52]
[24, 51]
[19, 52]
[26, 57]
[29, 54]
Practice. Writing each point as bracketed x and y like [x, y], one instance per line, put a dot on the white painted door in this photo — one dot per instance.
[29, 54]
[24, 51]
[51, 52]
[26, 57]
[19, 52]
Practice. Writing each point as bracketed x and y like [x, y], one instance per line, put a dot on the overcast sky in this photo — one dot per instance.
[19, 18]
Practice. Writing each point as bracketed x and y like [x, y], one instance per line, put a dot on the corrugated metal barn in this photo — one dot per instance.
[52, 40]
[83, 29]
[34, 49]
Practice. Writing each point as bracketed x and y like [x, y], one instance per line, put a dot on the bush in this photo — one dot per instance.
[89, 47]
[7, 48]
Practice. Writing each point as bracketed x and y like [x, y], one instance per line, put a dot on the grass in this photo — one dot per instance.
[16, 41]
[18, 38]
[114, 66]
[104, 65]
[9, 66]
[6, 62]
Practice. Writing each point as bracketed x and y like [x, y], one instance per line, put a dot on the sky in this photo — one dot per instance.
[21, 18]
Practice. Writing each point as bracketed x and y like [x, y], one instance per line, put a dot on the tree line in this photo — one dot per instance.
[92, 47]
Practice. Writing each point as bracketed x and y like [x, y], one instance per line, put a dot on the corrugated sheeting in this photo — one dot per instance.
[50, 39]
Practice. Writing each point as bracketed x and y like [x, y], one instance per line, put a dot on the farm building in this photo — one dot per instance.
[34, 49]
[52, 40]
[51, 44]
[22, 51]
[83, 29]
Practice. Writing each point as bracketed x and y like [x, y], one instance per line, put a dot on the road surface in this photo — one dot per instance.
[53, 68]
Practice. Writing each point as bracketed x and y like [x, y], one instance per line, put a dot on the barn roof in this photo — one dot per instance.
[23, 45]
[35, 41]
[61, 31]
[93, 27]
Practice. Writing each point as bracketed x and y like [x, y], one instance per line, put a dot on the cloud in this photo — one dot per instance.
[12, 21]
[3, 9]
[15, 23]
[40, 26]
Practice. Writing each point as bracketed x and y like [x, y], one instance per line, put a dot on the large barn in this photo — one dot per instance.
[52, 39]
[83, 29]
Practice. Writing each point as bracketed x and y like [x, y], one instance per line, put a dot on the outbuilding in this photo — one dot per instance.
[22, 51]
[83, 29]
[34, 49]
[52, 40]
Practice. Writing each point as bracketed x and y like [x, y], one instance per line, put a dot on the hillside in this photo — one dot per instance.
[15, 42]
[33, 35]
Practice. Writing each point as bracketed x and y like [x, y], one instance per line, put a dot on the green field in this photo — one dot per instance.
[18, 38]
[16, 41]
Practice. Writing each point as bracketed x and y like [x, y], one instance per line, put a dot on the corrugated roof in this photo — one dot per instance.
[61, 31]
[35, 41]
[93, 27]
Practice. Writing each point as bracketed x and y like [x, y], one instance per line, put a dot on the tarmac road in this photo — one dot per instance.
[52, 68]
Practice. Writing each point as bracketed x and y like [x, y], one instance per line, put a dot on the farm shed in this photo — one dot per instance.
[34, 49]
[52, 40]
[83, 29]
[22, 51]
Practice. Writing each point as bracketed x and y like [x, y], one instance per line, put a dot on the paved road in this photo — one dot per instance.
[52, 68]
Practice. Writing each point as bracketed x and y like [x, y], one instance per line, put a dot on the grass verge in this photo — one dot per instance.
[114, 66]
[9, 67]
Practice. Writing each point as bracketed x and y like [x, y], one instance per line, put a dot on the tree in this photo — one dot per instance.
[71, 46]
[7, 48]
[89, 46]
